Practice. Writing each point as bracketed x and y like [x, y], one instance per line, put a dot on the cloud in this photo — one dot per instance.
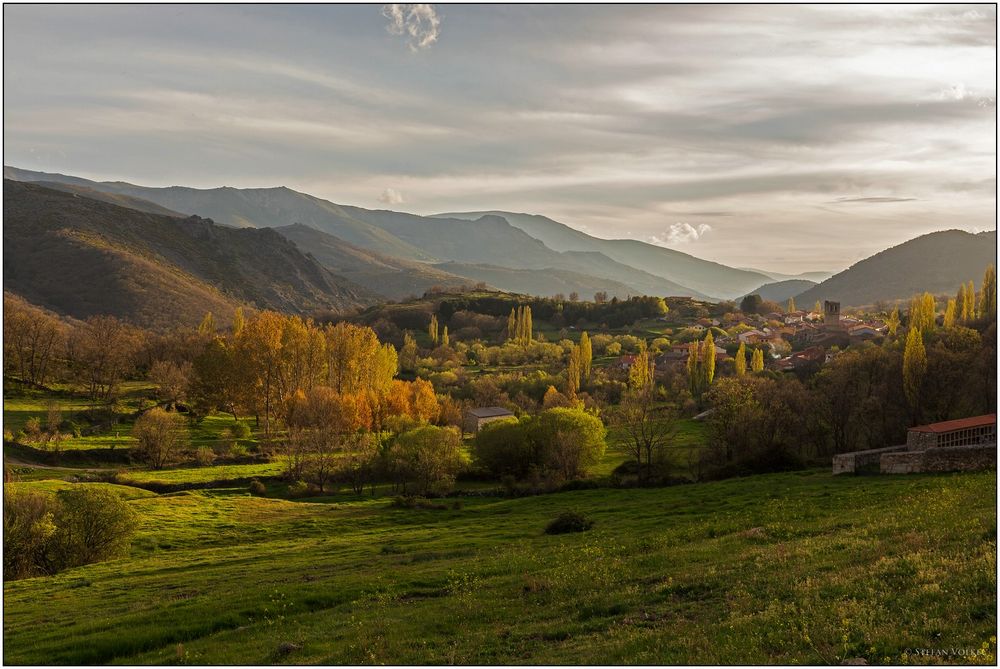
[419, 23]
[391, 196]
[681, 233]
[872, 200]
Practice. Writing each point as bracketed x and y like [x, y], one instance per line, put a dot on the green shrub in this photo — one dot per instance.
[569, 521]
[240, 430]
[204, 456]
[257, 488]
[92, 525]
[298, 489]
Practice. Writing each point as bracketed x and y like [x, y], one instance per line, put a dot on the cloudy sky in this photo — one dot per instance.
[788, 138]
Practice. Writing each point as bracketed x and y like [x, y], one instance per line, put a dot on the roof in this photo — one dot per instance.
[489, 412]
[960, 424]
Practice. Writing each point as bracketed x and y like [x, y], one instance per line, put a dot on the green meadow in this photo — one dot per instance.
[782, 568]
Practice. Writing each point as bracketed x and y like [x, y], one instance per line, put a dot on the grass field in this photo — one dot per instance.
[786, 568]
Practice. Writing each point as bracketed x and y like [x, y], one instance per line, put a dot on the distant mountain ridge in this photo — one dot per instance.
[80, 257]
[780, 291]
[937, 263]
[485, 240]
[705, 276]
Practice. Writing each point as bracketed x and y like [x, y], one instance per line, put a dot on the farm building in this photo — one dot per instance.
[476, 418]
[966, 444]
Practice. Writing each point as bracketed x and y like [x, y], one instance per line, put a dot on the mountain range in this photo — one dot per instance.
[181, 251]
[81, 257]
[936, 263]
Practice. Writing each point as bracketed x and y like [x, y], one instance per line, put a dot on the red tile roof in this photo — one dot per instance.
[960, 424]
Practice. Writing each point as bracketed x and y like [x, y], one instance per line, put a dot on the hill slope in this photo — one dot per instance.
[708, 277]
[539, 282]
[391, 277]
[486, 240]
[81, 257]
[779, 291]
[937, 262]
[782, 569]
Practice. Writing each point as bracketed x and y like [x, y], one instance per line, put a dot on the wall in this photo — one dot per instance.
[850, 463]
[918, 441]
[956, 459]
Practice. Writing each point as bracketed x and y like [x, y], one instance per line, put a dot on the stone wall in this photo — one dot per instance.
[918, 441]
[851, 463]
[955, 459]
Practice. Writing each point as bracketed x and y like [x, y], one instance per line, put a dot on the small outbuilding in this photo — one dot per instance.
[476, 418]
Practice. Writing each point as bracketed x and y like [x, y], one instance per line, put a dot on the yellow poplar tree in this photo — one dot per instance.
[892, 323]
[970, 299]
[791, 304]
[238, 321]
[444, 337]
[432, 329]
[757, 363]
[741, 360]
[949, 314]
[708, 358]
[988, 294]
[586, 355]
[914, 366]
[962, 305]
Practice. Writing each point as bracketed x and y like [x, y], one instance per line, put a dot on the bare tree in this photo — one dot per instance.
[648, 429]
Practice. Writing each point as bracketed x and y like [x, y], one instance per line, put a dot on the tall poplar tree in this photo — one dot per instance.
[988, 294]
[708, 358]
[741, 360]
[757, 363]
[586, 355]
[914, 366]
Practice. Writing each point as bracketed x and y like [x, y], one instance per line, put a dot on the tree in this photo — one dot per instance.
[586, 355]
[160, 434]
[757, 361]
[102, 351]
[600, 297]
[970, 300]
[573, 372]
[988, 294]
[432, 329]
[553, 398]
[31, 340]
[92, 525]
[817, 308]
[914, 366]
[791, 304]
[750, 304]
[220, 378]
[207, 325]
[238, 321]
[741, 360]
[962, 305]
[444, 337]
[708, 358]
[512, 325]
[172, 380]
[568, 440]
[503, 447]
[646, 430]
[949, 314]
[427, 459]
[574, 296]
[408, 354]
[892, 322]
[694, 367]
[28, 527]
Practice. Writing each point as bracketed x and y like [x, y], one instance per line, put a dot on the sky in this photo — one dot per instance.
[784, 137]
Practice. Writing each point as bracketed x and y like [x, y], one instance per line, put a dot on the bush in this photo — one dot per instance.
[240, 430]
[569, 521]
[44, 534]
[257, 488]
[92, 525]
[427, 459]
[299, 489]
[27, 533]
[204, 456]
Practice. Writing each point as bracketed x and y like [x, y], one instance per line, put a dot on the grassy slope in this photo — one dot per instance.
[784, 568]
